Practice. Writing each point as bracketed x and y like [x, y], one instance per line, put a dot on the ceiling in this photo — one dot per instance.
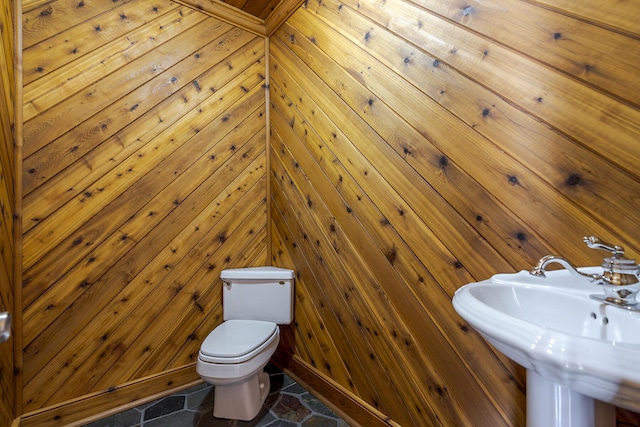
[262, 17]
[258, 8]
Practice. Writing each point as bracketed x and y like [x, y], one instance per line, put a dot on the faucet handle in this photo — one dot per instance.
[595, 243]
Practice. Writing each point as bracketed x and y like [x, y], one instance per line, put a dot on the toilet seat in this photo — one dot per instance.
[236, 341]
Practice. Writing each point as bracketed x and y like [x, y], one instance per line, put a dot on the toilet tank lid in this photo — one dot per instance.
[257, 273]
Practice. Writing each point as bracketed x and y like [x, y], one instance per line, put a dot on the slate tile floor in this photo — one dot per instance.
[288, 405]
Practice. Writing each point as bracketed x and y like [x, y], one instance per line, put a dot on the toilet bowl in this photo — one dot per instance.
[232, 357]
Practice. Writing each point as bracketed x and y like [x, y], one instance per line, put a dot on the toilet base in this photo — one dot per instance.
[241, 401]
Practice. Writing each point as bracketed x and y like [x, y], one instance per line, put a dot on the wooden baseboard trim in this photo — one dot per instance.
[351, 408]
[98, 405]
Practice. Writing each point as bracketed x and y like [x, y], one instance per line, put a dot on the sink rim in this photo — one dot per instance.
[520, 293]
[601, 369]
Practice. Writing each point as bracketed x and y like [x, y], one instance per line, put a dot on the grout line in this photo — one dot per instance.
[200, 411]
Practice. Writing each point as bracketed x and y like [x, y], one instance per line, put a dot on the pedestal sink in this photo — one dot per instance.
[578, 352]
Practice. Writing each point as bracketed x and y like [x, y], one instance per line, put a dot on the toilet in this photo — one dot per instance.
[232, 357]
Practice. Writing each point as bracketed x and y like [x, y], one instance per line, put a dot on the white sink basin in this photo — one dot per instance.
[551, 327]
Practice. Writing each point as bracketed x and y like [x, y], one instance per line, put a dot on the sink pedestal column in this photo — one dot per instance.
[550, 404]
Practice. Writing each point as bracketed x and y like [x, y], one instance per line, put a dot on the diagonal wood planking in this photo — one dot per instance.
[144, 172]
[415, 146]
[420, 145]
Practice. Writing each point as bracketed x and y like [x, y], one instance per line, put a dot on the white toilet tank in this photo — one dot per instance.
[258, 293]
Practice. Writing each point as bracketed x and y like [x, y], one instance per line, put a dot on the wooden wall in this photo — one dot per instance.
[415, 146]
[8, 207]
[144, 175]
[418, 145]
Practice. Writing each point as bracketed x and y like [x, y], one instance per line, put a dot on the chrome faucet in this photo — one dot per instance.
[620, 279]
[539, 269]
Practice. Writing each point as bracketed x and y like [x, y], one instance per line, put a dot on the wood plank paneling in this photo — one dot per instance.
[65, 47]
[420, 145]
[413, 146]
[580, 49]
[9, 205]
[145, 175]
[559, 162]
[221, 10]
[118, 399]
[408, 298]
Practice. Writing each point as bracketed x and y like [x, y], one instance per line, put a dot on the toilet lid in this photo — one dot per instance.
[235, 338]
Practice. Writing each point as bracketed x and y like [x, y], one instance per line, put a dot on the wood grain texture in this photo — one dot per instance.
[145, 175]
[418, 146]
[355, 412]
[412, 146]
[228, 13]
[9, 255]
[118, 399]
[279, 14]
